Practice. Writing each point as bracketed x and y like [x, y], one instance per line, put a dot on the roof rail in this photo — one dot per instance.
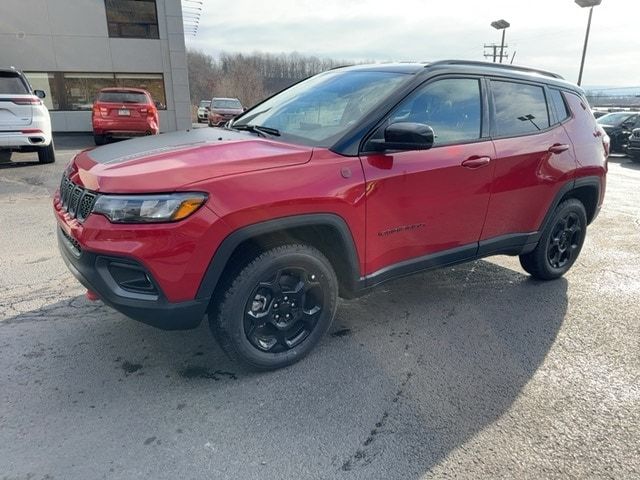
[518, 68]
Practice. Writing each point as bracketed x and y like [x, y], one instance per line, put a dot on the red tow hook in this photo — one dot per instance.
[92, 296]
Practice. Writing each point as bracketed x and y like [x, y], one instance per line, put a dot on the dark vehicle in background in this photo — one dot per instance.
[123, 113]
[618, 126]
[222, 110]
[633, 147]
[203, 111]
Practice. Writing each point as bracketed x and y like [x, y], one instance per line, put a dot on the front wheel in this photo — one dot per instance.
[277, 308]
[560, 243]
[47, 154]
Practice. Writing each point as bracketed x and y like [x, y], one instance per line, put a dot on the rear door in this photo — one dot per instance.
[15, 102]
[534, 159]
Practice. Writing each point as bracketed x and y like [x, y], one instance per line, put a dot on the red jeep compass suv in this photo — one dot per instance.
[123, 112]
[341, 182]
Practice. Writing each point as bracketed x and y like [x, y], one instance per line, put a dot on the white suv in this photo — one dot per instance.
[203, 111]
[25, 125]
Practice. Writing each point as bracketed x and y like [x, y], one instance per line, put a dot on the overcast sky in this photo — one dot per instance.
[544, 33]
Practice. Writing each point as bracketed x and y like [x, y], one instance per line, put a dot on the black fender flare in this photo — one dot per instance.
[589, 181]
[224, 251]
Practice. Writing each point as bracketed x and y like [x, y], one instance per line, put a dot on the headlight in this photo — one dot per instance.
[169, 207]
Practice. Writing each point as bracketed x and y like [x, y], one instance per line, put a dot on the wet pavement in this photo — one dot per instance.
[474, 371]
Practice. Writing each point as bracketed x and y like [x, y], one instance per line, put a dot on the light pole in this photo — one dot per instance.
[501, 25]
[584, 4]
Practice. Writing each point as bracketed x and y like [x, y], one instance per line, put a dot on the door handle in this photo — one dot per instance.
[476, 162]
[558, 148]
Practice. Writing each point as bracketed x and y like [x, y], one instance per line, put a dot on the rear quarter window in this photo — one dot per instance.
[559, 105]
[519, 108]
[12, 83]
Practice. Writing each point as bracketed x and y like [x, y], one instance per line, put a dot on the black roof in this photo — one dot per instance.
[469, 66]
[9, 70]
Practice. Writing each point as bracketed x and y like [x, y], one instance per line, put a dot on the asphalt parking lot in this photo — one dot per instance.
[470, 372]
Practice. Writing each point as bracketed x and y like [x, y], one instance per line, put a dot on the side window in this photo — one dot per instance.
[452, 107]
[562, 113]
[519, 108]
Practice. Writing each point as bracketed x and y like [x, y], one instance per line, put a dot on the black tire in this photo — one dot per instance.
[99, 139]
[210, 124]
[47, 154]
[5, 155]
[634, 158]
[243, 316]
[560, 243]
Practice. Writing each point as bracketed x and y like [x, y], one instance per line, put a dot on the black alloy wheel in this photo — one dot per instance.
[565, 240]
[283, 310]
[272, 309]
[559, 244]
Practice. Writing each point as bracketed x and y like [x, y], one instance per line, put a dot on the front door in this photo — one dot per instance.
[427, 207]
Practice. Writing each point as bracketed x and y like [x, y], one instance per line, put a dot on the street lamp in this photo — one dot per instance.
[584, 4]
[501, 25]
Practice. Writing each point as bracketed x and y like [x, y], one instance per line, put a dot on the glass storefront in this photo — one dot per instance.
[77, 91]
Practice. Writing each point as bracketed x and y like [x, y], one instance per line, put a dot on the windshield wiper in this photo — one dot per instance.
[259, 129]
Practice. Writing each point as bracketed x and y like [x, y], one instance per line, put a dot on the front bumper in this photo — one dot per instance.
[633, 148]
[93, 271]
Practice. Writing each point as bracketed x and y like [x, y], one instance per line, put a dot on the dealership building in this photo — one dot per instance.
[73, 48]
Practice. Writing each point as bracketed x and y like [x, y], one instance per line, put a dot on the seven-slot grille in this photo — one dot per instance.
[77, 201]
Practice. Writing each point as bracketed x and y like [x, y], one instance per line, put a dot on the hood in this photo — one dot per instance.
[168, 162]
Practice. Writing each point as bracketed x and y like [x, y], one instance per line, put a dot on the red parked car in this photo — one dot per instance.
[346, 180]
[123, 113]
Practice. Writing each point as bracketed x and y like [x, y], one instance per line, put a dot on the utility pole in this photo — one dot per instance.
[496, 52]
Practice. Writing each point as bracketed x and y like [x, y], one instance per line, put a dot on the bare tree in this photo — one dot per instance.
[250, 78]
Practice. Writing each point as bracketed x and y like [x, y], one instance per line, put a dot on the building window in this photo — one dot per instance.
[132, 18]
[151, 82]
[77, 91]
[51, 87]
[82, 88]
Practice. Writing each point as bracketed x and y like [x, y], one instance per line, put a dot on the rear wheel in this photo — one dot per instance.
[5, 155]
[99, 139]
[47, 154]
[560, 243]
[277, 307]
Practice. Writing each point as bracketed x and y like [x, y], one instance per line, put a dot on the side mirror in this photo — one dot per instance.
[405, 136]
[39, 93]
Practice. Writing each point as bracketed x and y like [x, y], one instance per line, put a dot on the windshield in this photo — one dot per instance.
[205, 103]
[319, 110]
[614, 118]
[122, 97]
[227, 103]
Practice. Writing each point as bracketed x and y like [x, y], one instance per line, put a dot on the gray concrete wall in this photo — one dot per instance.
[72, 36]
